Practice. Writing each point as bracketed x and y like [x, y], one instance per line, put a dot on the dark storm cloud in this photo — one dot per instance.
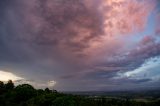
[148, 47]
[45, 37]
[136, 81]
[61, 24]
[50, 24]
[54, 40]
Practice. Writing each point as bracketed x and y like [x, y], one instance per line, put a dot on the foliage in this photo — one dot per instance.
[26, 95]
[9, 85]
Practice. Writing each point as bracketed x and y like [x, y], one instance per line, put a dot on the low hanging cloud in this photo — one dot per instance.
[5, 76]
[144, 72]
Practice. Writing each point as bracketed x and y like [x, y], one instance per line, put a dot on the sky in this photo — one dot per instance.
[81, 45]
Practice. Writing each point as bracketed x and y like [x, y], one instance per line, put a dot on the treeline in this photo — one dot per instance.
[26, 95]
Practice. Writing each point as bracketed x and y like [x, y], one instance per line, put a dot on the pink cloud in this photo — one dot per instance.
[124, 16]
[157, 31]
[84, 31]
[147, 40]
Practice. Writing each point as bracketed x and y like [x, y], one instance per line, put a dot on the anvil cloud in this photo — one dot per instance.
[80, 44]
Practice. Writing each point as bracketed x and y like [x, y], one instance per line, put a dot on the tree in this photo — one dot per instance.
[47, 90]
[54, 91]
[65, 101]
[24, 92]
[9, 85]
[1, 87]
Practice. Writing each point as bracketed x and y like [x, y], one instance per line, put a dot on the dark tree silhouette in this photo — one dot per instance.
[1, 87]
[54, 91]
[24, 92]
[1, 84]
[26, 95]
[9, 85]
[47, 90]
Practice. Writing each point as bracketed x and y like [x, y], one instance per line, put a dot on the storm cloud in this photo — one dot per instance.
[77, 43]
